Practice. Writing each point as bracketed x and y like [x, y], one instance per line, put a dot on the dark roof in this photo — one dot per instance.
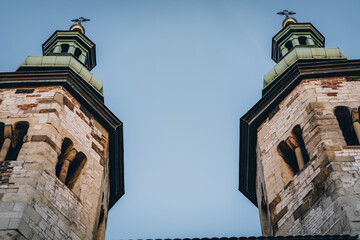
[273, 94]
[306, 237]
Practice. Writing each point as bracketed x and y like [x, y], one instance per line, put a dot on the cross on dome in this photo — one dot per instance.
[286, 13]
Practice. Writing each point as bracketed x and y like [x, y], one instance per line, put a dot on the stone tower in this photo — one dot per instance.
[61, 157]
[299, 144]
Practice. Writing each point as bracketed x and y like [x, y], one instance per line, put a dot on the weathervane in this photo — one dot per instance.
[286, 13]
[80, 20]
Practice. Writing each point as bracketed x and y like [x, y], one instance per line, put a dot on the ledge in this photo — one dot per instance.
[64, 61]
[298, 53]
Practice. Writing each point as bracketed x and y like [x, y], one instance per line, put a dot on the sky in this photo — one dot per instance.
[179, 74]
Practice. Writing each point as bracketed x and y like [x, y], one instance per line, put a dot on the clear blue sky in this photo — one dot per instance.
[179, 74]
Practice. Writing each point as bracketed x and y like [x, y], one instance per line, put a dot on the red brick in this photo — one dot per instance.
[27, 105]
[36, 95]
[82, 117]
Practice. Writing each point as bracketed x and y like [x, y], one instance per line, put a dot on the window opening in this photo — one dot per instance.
[297, 131]
[344, 119]
[64, 48]
[75, 169]
[70, 164]
[77, 52]
[289, 156]
[12, 140]
[289, 45]
[66, 146]
[302, 40]
[293, 150]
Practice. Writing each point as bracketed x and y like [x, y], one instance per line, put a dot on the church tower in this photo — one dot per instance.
[61, 157]
[299, 144]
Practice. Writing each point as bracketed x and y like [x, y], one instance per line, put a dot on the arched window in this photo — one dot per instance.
[293, 150]
[70, 164]
[302, 40]
[287, 153]
[12, 139]
[75, 169]
[17, 139]
[77, 52]
[297, 132]
[344, 119]
[289, 45]
[66, 146]
[64, 48]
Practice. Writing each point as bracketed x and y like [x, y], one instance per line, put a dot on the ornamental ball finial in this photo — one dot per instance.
[287, 19]
[77, 27]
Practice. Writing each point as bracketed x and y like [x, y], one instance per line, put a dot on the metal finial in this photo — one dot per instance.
[286, 13]
[80, 20]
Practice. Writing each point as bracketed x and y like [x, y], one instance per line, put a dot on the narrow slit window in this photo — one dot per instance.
[2, 128]
[297, 131]
[289, 156]
[66, 146]
[75, 169]
[344, 119]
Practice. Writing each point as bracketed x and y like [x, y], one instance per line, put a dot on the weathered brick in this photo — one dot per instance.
[30, 184]
[68, 103]
[44, 138]
[31, 105]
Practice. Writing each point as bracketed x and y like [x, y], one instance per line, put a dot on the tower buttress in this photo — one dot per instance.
[299, 144]
[61, 157]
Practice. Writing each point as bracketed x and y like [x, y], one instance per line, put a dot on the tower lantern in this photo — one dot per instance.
[72, 43]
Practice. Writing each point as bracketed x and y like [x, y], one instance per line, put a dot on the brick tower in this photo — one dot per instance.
[299, 144]
[61, 157]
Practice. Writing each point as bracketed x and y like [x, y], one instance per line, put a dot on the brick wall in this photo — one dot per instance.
[34, 203]
[323, 198]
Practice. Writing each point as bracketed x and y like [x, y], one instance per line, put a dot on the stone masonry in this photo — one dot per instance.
[34, 203]
[324, 196]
